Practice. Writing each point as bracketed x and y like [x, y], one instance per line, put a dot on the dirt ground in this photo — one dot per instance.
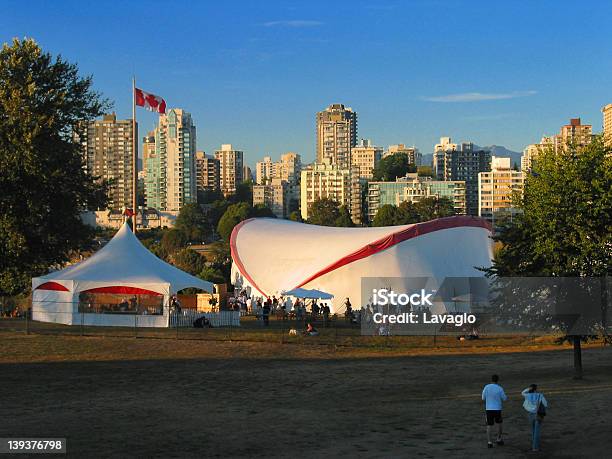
[124, 397]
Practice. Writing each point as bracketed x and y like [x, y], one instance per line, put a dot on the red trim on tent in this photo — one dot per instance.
[418, 229]
[122, 290]
[52, 286]
[236, 258]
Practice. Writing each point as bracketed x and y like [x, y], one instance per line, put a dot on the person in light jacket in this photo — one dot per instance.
[533, 399]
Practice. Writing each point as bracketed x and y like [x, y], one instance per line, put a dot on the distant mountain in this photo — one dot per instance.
[497, 150]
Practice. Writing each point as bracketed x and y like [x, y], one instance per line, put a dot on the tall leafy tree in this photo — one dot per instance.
[344, 218]
[431, 208]
[408, 212]
[244, 193]
[193, 223]
[324, 212]
[189, 260]
[44, 187]
[565, 229]
[232, 216]
[392, 167]
[172, 240]
[387, 215]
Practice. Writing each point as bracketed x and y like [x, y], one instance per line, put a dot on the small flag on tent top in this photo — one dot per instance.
[149, 101]
[128, 213]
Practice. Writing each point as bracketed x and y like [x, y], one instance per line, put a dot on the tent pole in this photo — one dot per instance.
[134, 157]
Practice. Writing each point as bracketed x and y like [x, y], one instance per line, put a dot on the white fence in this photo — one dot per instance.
[186, 317]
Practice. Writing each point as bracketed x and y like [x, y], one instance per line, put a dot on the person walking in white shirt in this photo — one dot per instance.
[493, 395]
[535, 404]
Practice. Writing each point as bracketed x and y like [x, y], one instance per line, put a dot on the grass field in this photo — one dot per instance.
[126, 397]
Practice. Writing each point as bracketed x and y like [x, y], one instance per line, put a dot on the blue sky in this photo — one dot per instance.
[255, 73]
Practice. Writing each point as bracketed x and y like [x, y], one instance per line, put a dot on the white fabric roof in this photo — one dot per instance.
[272, 255]
[124, 261]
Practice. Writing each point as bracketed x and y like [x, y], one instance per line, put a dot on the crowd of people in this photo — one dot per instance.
[285, 307]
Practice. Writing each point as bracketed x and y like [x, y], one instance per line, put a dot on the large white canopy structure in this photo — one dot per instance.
[123, 266]
[271, 255]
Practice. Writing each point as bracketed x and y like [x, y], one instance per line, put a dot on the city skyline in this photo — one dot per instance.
[258, 78]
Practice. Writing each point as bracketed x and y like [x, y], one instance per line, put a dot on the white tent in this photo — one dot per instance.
[308, 294]
[271, 255]
[123, 266]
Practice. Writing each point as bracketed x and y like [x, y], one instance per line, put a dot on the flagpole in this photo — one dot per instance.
[134, 156]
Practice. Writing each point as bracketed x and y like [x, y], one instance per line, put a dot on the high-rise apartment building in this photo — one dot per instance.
[607, 123]
[442, 152]
[365, 157]
[326, 180]
[573, 133]
[288, 168]
[231, 167]
[208, 173]
[171, 173]
[107, 154]
[247, 173]
[453, 163]
[413, 153]
[264, 170]
[531, 152]
[278, 184]
[274, 194]
[497, 189]
[148, 150]
[336, 134]
[413, 188]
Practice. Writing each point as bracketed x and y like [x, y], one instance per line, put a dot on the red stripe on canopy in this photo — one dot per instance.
[122, 290]
[52, 286]
[418, 229]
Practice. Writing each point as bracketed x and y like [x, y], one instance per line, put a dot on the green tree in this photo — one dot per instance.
[171, 241]
[216, 210]
[189, 261]
[565, 229]
[209, 196]
[244, 193]
[213, 275]
[392, 167]
[408, 214]
[387, 215]
[43, 100]
[344, 218]
[261, 211]
[431, 208]
[232, 216]
[425, 171]
[324, 212]
[192, 222]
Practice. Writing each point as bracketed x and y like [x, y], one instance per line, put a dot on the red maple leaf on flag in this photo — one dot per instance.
[149, 101]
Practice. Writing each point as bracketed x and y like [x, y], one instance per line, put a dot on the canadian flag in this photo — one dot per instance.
[150, 101]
